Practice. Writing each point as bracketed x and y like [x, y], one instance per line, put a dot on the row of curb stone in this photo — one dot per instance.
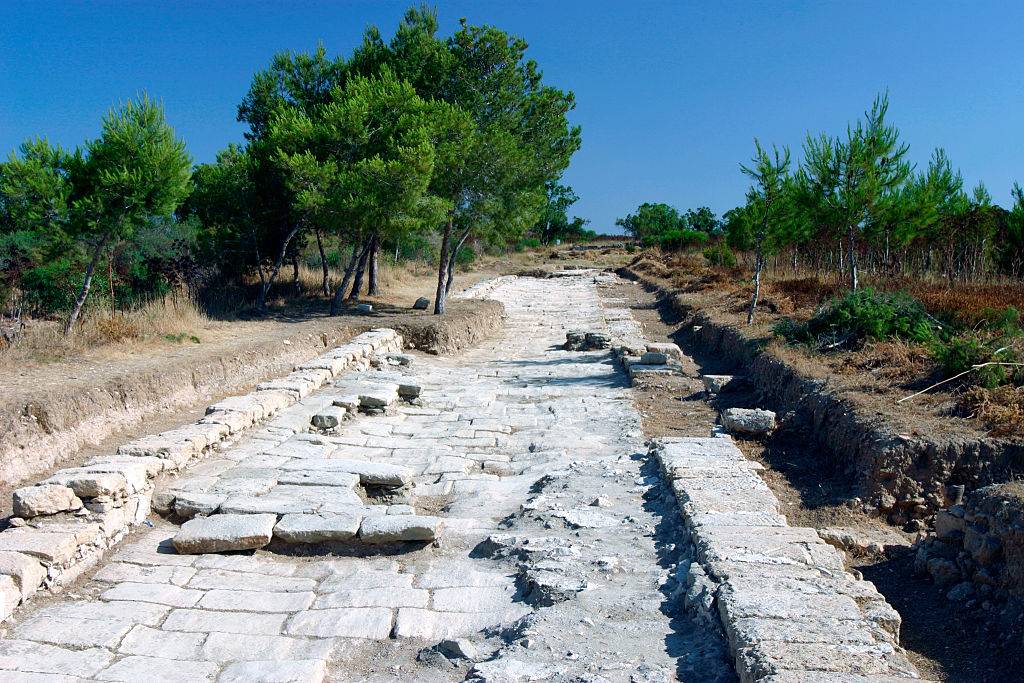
[64, 524]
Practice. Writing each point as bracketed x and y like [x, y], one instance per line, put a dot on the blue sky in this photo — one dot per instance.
[670, 94]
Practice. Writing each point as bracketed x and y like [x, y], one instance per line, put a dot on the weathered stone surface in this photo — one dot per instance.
[136, 668]
[653, 358]
[318, 478]
[46, 499]
[173, 596]
[364, 309]
[24, 570]
[228, 647]
[152, 642]
[188, 504]
[271, 504]
[329, 418]
[49, 547]
[669, 349]
[10, 595]
[373, 623]
[509, 670]
[748, 421]
[714, 384]
[224, 532]
[300, 528]
[101, 632]
[395, 528]
[421, 304]
[209, 621]
[281, 671]
[586, 518]
[24, 655]
[256, 601]
[430, 625]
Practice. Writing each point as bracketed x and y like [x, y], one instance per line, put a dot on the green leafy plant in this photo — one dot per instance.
[862, 315]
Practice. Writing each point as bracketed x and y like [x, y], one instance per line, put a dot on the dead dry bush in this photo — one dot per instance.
[1001, 409]
[805, 292]
[894, 362]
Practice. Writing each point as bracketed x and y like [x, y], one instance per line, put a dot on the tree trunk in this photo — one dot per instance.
[853, 257]
[357, 285]
[295, 272]
[84, 292]
[442, 267]
[372, 288]
[350, 269]
[758, 266]
[261, 301]
[451, 261]
[323, 264]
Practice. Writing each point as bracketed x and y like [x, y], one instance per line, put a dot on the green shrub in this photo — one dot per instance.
[676, 239]
[527, 243]
[465, 256]
[720, 255]
[863, 315]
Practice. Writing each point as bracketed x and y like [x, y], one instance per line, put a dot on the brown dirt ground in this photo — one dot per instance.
[944, 640]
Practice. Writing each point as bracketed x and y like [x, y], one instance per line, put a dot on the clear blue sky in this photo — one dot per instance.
[670, 94]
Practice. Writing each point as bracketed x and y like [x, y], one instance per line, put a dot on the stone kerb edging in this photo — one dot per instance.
[789, 610]
[481, 289]
[62, 525]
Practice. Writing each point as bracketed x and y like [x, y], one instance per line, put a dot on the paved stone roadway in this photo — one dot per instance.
[556, 561]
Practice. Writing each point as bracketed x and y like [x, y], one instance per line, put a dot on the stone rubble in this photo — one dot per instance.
[748, 421]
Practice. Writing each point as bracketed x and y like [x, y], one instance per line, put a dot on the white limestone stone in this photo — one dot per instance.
[223, 532]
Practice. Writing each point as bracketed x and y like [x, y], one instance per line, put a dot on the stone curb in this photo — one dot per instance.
[70, 519]
[781, 595]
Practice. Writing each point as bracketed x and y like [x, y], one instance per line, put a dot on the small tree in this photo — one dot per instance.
[765, 197]
[853, 177]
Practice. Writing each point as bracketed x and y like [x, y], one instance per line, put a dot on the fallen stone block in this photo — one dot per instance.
[714, 384]
[27, 572]
[318, 478]
[302, 528]
[364, 309]
[653, 358]
[597, 341]
[329, 418]
[46, 499]
[421, 304]
[670, 350]
[409, 392]
[234, 420]
[863, 542]
[224, 532]
[395, 528]
[752, 421]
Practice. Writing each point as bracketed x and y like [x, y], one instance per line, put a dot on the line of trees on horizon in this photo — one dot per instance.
[852, 204]
[417, 144]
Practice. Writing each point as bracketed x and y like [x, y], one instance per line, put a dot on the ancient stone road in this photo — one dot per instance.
[556, 561]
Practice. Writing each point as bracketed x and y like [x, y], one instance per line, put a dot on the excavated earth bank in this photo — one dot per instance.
[44, 428]
[906, 473]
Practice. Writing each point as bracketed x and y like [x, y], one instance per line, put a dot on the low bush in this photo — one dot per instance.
[720, 255]
[860, 316]
[676, 239]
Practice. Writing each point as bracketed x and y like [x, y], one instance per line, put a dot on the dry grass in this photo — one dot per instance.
[1001, 410]
[173, 318]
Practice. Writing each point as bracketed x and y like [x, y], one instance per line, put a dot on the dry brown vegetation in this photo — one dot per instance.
[889, 370]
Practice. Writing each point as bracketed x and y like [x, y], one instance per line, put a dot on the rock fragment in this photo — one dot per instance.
[421, 304]
[46, 499]
[749, 421]
[396, 528]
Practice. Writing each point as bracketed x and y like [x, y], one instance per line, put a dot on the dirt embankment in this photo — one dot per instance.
[59, 409]
[906, 465]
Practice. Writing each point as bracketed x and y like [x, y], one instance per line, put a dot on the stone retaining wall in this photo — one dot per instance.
[789, 610]
[67, 521]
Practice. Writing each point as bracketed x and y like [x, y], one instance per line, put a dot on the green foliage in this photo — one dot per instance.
[181, 337]
[719, 254]
[528, 243]
[997, 339]
[663, 226]
[465, 256]
[860, 316]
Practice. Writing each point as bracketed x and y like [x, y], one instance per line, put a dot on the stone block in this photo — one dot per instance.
[653, 358]
[302, 528]
[25, 570]
[46, 499]
[329, 417]
[281, 671]
[188, 504]
[714, 384]
[26, 655]
[396, 528]
[135, 668]
[748, 421]
[421, 304]
[224, 532]
[214, 621]
[49, 547]
[371, 623]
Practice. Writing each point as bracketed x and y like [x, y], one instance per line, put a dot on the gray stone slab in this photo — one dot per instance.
[282, 671]
[210, 621]
[317, 528]
[77, 634]
[224, 532]
[396, 528]
[256, 601]
[371, 623]
[25, 655]
[157, 670]
[173, 596]
[152, 642]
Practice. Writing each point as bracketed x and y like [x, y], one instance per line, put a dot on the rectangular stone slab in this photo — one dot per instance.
[225, 532]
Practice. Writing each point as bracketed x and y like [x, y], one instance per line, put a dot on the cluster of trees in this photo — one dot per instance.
[854, 202]
[665, 226]
[420, 137]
